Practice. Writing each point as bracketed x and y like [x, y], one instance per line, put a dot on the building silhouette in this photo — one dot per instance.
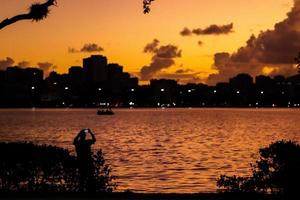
[21, 86]
[95, 69]
[99, 83]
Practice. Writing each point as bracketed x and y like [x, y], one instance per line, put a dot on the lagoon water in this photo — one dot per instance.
[154, 150]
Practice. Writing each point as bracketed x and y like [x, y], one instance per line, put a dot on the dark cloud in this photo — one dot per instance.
[73, 50]
[91, 48]
[186, 32]
[47, 67]
[87, 48]
[151, 47]
[24, 64]
[183, 78]
[214, 30]
[274, 49]
[210, 30]
[182, 71]
[8, 62]
[163, 57]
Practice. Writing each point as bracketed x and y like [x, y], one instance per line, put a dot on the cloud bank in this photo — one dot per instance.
[47, 67]
[24, 64]
[210, 30]
[87, 48]
[273, 49]
[8, 62]
[184, 77]
[162, 57]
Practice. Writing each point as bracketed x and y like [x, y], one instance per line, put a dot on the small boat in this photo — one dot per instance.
[105, 112]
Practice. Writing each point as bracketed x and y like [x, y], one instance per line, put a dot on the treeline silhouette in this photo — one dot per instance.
[27, 168]
[30, 168]
[84, 87]
[277, 171]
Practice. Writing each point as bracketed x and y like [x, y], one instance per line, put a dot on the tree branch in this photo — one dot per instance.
[39, 11]
[36, 12]
[146, 6]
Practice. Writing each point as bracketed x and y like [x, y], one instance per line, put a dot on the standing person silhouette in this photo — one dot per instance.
[85, 159]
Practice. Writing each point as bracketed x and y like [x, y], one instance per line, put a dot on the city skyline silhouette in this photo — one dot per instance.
[150, 99]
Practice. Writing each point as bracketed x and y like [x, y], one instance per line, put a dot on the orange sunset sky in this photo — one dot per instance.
[122, 30]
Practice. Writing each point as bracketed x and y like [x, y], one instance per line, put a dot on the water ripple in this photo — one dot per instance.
[152, 150]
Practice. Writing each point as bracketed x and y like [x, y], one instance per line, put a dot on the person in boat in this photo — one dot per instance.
[85, 159]
[105, 111]
[108, 109]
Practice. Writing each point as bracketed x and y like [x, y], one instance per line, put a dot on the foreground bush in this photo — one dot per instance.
[25, 167]
[277, 171]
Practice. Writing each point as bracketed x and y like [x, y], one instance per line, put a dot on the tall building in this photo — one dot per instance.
[164, 91]
[76, 74]
[95, 68]
[115, 71]
[26, 76]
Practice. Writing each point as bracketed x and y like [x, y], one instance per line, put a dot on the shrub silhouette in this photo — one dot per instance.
[26, 167]
[277, 171]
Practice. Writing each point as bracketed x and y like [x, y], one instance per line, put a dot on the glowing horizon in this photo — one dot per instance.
[123, 31]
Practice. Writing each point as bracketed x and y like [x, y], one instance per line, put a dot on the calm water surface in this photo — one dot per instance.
[151, 150]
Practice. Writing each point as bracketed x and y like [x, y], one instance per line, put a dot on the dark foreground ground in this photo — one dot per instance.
[137, 196]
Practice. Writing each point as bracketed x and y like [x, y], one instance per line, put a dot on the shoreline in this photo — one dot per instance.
[144, 196]
[144, 108]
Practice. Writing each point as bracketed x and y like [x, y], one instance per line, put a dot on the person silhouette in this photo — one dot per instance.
[85, 159]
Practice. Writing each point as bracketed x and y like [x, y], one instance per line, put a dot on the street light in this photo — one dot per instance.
[162, 90]
[238, 92]
[33, 88]
[132, 90]
[66, 88]
[99, 89]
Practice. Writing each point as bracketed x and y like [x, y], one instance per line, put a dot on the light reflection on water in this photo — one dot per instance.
[152, 150]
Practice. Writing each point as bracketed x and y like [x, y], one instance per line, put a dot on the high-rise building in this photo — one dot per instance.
[23, 76]
[95, 68]
[115, 71]
[76, 74]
